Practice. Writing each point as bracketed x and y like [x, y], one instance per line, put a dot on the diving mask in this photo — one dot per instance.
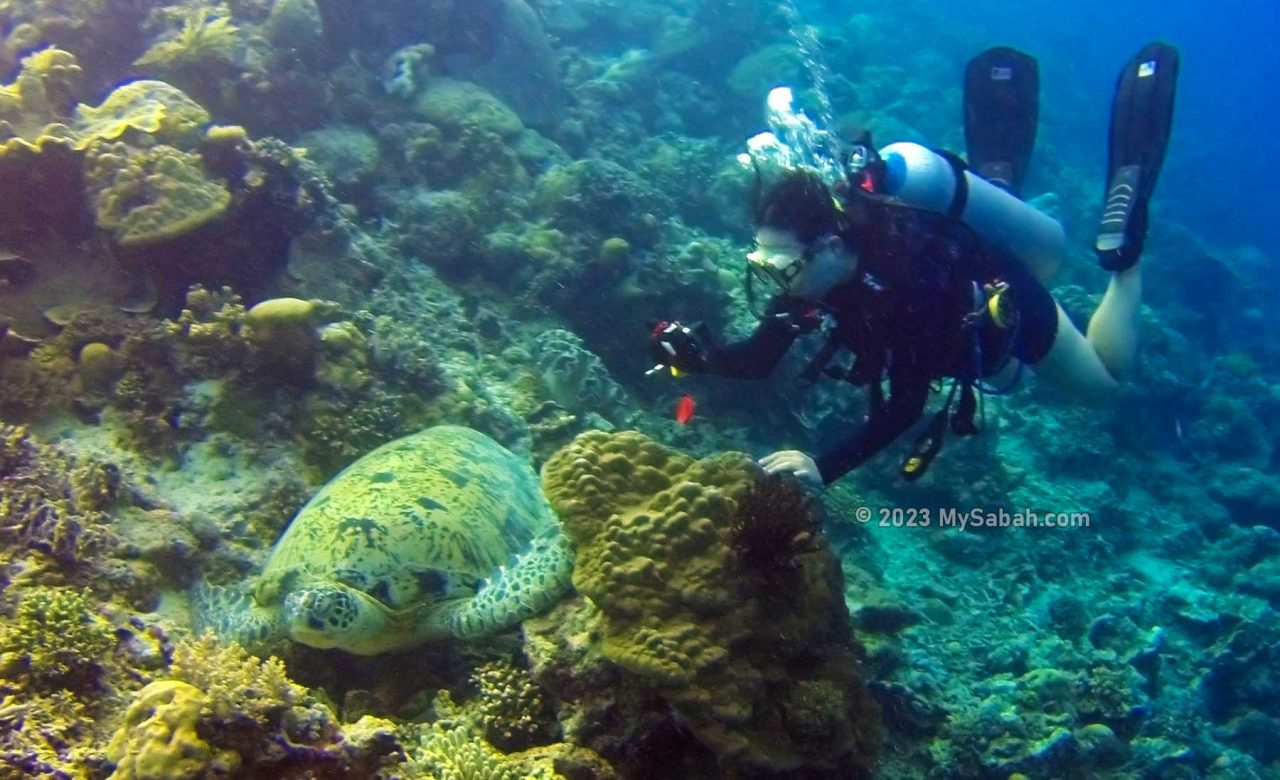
[779, 263]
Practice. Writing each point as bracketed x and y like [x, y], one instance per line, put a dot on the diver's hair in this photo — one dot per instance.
[800, 202]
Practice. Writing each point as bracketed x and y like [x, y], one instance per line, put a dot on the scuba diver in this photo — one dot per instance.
[925, 269]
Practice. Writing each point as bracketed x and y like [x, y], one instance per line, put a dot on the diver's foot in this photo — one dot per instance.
[1001, 109]
[1122, 231]
[1141, 118]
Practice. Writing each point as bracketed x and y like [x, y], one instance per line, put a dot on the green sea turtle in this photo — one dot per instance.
[441, 533]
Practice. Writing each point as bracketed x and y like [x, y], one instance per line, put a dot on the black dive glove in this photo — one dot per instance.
[678, 346]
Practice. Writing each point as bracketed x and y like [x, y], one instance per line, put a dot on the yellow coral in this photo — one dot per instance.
[654, 551]
[207, 35]
[654, 533]
[281, 313]
[39, 107]
[233, 680]
[50, 735]
[158, 739]
[152, 107]
[55, 640]
[152, 195]
[459, 753]
[34, 108]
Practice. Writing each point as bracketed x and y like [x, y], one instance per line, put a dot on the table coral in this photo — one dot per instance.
[155, 108]
[767, 681]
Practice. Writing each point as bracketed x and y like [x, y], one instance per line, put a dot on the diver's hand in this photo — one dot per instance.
[677, 345]
[795, 463]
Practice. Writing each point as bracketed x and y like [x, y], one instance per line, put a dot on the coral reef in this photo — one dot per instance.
[514, 713]
[655, 554]
[577, 380]
[499, 195]
[52, 508]
[207, 37]
[152, 196]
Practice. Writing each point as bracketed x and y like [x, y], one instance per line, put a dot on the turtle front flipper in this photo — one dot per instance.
[529, 585]
[233, 615]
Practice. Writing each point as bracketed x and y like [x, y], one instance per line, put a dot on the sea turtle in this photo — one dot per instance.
[440, 533]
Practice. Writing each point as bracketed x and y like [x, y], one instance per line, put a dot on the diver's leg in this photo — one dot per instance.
[1091, 366]
[1113, 328]
[1001, 109]
[1074, 365]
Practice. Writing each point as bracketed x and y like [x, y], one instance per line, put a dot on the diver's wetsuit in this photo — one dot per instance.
[903, 315]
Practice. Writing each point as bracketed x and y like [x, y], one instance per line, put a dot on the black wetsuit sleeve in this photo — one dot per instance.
[755, 356]
[908, 391]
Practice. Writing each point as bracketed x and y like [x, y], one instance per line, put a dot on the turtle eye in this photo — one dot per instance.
[352, 577]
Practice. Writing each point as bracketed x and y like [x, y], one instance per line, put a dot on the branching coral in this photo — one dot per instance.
[45, 736]
[54, 657]
[235, 683]
[56, 641]
[342, 426]
[50, 504]
[514, 714]
[208, 331]
[458, 753]
[225, 711]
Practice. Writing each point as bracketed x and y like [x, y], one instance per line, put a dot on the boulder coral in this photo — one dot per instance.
[768, 682]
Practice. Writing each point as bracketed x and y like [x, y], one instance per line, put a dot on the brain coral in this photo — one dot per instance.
[680, 613]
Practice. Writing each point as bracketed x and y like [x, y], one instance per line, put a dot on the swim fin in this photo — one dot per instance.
[1001, 109]
[1141, 118]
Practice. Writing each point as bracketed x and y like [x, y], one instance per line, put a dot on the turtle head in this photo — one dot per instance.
[330, 614]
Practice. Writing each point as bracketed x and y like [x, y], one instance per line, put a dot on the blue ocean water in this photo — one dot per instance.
[1224, 155]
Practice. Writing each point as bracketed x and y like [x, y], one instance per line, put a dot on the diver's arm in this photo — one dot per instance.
[908, 391]
[690, 348]
[755, 356]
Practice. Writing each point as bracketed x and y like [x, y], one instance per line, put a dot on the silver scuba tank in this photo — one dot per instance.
[922, 178]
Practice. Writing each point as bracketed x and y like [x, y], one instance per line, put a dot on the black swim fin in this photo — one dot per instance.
[1001, 109]
[1141, 118]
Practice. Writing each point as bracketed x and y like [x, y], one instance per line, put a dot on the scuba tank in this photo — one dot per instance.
[922, 178]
